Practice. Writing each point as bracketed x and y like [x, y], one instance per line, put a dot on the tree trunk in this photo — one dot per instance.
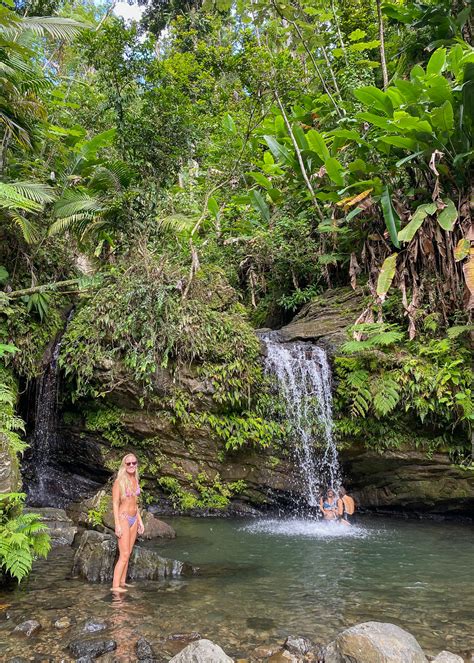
[382, 45]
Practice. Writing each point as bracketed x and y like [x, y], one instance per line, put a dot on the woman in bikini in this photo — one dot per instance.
[128, 521]
[328, 505]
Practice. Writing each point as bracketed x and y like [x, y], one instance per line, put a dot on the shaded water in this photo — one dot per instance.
[262, 580]
[303, 379]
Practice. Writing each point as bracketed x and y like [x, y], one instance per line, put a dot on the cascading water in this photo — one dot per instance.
[303, 379]
[44, 438]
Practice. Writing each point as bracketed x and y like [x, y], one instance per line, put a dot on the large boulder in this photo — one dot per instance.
[154, 528]
[408, 481]
[201, 651]
[326, 318]
[447, 657]
[374, 642]
[94, 560]
[60, 527]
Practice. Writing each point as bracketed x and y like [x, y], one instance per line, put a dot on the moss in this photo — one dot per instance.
[108, 422]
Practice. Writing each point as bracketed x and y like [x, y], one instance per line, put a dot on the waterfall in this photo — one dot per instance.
[303, 380]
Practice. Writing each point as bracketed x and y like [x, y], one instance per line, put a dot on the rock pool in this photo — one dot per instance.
[260, 581]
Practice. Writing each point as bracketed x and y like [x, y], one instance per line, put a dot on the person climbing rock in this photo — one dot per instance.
[345, 507]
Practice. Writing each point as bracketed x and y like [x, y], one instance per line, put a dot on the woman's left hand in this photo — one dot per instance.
[141, 527]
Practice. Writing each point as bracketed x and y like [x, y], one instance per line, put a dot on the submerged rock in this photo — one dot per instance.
[144, 650]
[94, 626]
[374, 642]
[284, 656]
[62, 623]
[447, 657]
[91, 648]
[299, 646]
[201, 651]
[61, 528]
[28, 628]
[94, 560]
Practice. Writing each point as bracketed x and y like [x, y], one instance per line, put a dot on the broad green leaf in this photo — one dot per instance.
[355, 35]
[261, 179]
[437, 62]
[462, 249]
[409, 122]
[392, 220]
[259, 204]
[386, 275]
[4, 348]
[349, 134]
[89, 149]
[364, 46]
[442, 118]
[376, 120]
[372, 97]
[228, 124]
[410, 157]
[279, 151]
[280, 128]
[317, 144]
[213, 207]
[353, 213]
[447, 217]
[421, 212]
[400, 141]
[300, 137]
[275, 195]
[334, 170]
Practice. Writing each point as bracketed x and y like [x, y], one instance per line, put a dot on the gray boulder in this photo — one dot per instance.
[374, 642]
[201, 651]
[154, 528]
[60, 527]
[447, 657]
[94, 560]
[91, 648]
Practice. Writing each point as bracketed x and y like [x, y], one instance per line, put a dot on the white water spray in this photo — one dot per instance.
[304, 381]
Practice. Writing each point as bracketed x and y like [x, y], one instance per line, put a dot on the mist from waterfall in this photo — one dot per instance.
[303, 379]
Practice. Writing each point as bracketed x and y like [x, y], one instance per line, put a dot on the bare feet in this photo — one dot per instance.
[127, 584]
[118, 589]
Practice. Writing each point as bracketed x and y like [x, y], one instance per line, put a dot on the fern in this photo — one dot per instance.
[386, 395]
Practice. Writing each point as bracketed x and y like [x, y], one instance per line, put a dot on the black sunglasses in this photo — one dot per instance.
[132, 462]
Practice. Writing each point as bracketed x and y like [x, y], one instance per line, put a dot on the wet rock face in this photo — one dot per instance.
[9, 473]
[409, 481]
[95, 558]
[325, 318]
[201, 651]
[374, 642]
[60, 527]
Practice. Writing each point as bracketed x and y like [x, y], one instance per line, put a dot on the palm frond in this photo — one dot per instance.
[57, 27]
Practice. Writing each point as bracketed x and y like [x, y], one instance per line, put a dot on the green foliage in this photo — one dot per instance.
[207, 493]
[96, 516]
[386, 378]
[23, 536]
[108, 422]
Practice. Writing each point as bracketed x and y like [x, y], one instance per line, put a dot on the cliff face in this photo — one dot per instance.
[186, 466]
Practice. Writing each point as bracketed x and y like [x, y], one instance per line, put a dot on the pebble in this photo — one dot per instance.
[63, 622]
[28, 628]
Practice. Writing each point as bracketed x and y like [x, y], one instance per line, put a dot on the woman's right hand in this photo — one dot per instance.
[118, 531]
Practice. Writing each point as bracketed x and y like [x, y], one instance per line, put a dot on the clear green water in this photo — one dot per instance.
[263, 580]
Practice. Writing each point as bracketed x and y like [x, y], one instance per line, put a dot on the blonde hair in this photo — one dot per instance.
[123, 477]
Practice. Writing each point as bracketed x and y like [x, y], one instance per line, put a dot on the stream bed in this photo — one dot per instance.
[261, 581]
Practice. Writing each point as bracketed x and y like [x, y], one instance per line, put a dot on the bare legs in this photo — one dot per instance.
[125, 544]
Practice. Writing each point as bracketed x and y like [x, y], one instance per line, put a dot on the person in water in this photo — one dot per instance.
[128, 521]
[328, 505]
[345, 507]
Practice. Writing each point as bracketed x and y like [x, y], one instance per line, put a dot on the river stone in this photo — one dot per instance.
[60, 527]
[94, 560]
[94, 626]
[62, 623]
[156, 529]
[201, 651]
[298, 646]
[91, 648]
[447, 657]
[144, 650]
[374, 642]
[28, 628]
[265, 651]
